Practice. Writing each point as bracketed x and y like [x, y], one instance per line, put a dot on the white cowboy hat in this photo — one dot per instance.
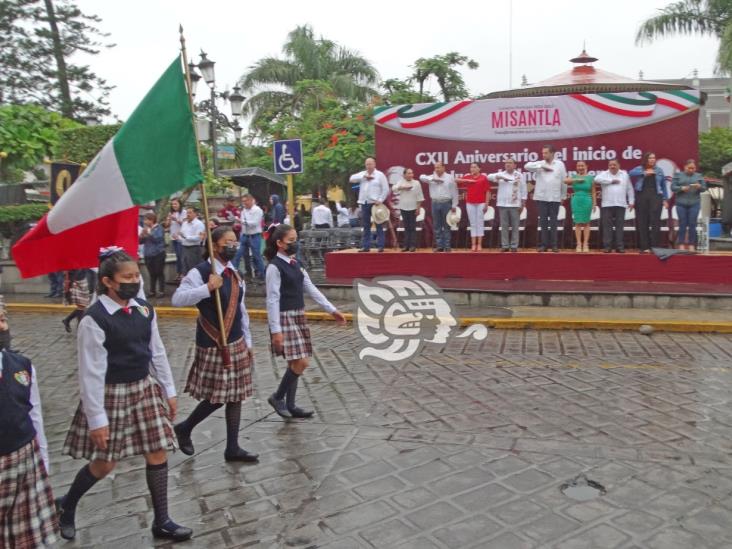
[379, 214]
[453, 218]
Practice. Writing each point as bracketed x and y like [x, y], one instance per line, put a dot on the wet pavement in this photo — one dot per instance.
[468, 445]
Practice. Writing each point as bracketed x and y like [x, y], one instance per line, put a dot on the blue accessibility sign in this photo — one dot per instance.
[288, 156]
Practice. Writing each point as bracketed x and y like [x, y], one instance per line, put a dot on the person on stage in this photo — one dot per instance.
[410, 201]
[583, 202]
[688, 186]
[549, 192]
[287, 282]
[374, 187]
[27, 512]
[128, 398]
[617, 196]
[76, 293]
[210, 380]
[477, 199]
[444, 197]
[651, 195]
[511, 200]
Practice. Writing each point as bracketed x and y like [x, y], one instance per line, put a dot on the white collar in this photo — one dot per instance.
[220, 267]
[112, 306]
[284, 257]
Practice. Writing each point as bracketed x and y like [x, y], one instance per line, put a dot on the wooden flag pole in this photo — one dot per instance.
[225, 355]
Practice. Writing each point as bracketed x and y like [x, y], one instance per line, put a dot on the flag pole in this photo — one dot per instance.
[225, 355]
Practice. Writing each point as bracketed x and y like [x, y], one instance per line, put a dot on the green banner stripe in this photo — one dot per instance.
[684, 95]
[404, 111]
[651, 99]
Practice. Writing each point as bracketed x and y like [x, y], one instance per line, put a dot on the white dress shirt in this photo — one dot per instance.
[176, 221]
[371, 190]
[322, 215]
[550, 186]
[442, 187]
[342, 215]
[251, 220]
[193, 289]
[410, 194]
[615, 195]
[36, 414]
[93, 364]
[511, 188]
[273, 282]
[192, 232]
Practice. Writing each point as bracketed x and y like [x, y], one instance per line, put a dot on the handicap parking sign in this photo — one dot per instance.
[288, 156]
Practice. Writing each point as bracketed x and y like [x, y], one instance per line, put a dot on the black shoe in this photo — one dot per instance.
[439, 250]
[541, 249]
[367, 250]
[279, 406]
[514, 250]
[66, 525]
[171, 530]
[555, 250]
[412, 249]
[184, 441]
[447, 250]
[241, 455]
[67, 324]
[50, 295]
[642, 252]
[606, 251]
[503, 250]
[300, 413]
[381, 250]
[620, 250]
[404, 250]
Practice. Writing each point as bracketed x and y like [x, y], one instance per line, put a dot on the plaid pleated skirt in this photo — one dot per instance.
[209, 380]
[139, 423]
[296, 334]
[27, 512]
[80, 294]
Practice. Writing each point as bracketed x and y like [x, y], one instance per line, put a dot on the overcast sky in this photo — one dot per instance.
[235, 33]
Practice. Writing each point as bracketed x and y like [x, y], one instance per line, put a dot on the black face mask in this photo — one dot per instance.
[128, 290]
[229, 252]
[4, 340]
[291, 248]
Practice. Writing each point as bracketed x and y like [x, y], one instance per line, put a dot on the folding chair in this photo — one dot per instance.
[629, 227]
[489, 217]
[595, 226]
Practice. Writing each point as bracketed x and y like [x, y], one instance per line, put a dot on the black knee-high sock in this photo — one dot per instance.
[83, 482]
[292, 391]
[79, 315]
[71, 316]
[157, 483]
[233, 420]
[285, 383]
[199, 413]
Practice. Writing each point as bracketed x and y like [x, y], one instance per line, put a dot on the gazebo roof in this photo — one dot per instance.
[584, 78]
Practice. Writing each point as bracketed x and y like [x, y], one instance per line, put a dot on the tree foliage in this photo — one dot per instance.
[444, 68]
[82, 144]
[38, 40]
[402, 92]
[715, 150]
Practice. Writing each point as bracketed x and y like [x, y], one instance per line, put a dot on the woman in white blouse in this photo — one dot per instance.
[410, 200]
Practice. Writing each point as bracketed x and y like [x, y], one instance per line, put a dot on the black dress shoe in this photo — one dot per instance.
[67, 325]
[300, 413]
[620, 250]
[503, 250]
[541, 249]
[171, 530]
[184, 441]
[381, 250]
[279, 406]
[555, 250]
[241, 455]
[362, 250]
[412, 249]
[606, 251]
[439, 250]
[66, 525]
[514, 250]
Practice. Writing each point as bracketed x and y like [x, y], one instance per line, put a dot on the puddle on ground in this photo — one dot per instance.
[582, 489]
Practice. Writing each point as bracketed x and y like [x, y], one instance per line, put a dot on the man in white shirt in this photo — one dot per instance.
[617, 196]
[511, 200]
[444, 197]
[343, 219]
[549, 192]
[322, 216]
[192, 235]
[250, 240]
[374, 189]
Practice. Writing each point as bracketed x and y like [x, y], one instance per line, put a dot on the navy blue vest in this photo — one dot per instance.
[291, 285]
[207, 308]
[127, 341]
[16, 426]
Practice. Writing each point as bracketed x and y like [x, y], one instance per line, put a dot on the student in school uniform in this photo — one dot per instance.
[27, 513]
[128, 398]
[287, 282]
[210, 380]
[76, 293]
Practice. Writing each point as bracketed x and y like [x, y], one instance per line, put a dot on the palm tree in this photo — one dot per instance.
[273, 82]
[705, 17]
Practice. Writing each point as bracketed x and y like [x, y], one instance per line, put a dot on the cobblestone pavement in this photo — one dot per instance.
[465, 446]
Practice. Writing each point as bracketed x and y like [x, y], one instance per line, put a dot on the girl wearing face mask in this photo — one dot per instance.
[209, 380]
[128, 398]
[287, 283]
[27, 515]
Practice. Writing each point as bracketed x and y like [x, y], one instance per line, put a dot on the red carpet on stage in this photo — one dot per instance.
[713, 268]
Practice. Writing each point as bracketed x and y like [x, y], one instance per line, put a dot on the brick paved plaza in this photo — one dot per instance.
[465, 446]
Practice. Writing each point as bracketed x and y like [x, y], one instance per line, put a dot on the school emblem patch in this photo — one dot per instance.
[23, 378]
[144, 311]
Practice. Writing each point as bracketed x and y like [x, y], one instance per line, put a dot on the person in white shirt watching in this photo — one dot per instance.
[251, 238]
[342, 219]
[373, 191]
[617, 196]
[549, 192]
[322, 216]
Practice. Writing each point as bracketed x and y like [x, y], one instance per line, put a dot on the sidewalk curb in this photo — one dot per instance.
[521, 323]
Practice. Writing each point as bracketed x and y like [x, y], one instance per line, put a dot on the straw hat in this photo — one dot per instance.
[379, 214]
[453, 218]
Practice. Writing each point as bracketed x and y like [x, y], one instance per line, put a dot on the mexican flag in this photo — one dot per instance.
[153, 155]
